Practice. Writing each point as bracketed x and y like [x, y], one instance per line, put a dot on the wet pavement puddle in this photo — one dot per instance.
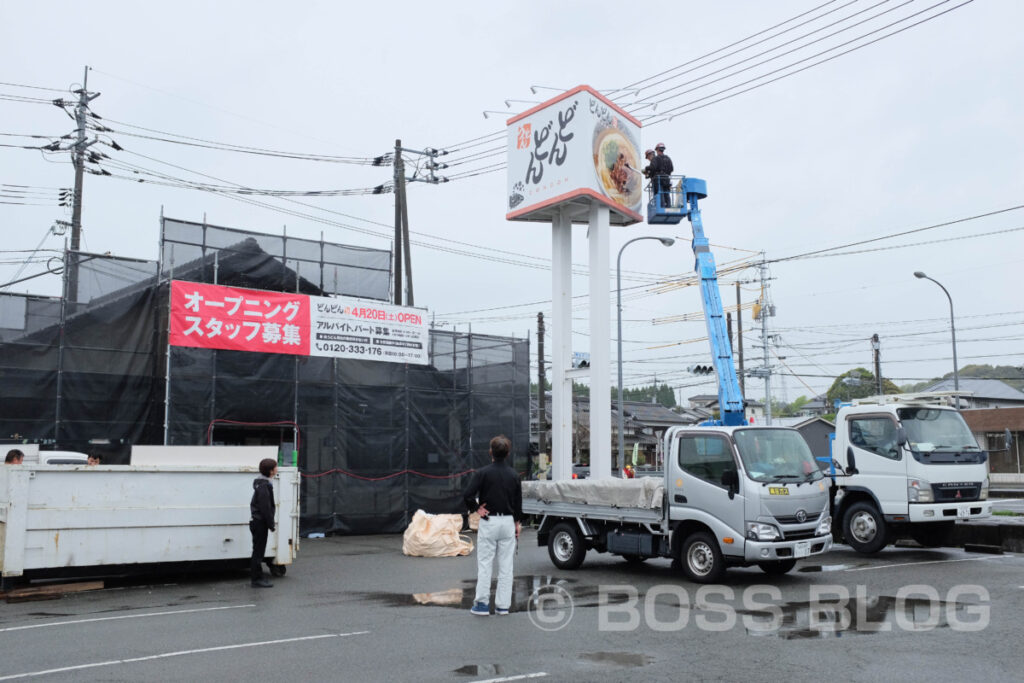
[824, 617]
[618, 658]
[859, 615]
[525, 592]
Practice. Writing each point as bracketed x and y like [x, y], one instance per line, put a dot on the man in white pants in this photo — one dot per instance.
[496, 493]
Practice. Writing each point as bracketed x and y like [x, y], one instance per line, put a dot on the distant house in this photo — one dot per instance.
[988, 425]
[817, 432]
[819, 405]
[709, 402]
[703, 400]
[644, 424]
[982, 393]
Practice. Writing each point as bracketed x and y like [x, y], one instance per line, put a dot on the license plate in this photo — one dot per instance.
[778, 491]
[963, 513]
[802, 549]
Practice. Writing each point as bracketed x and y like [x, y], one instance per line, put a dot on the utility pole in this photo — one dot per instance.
[403, 249]
[78, 160]
[765, 310]
[739, 339]
[876, 346]
[542, 422]
[399, 233]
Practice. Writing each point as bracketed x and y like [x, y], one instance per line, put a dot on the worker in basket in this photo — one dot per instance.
[658, 169]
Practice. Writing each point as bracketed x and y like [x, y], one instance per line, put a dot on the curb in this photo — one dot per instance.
[1009, 537]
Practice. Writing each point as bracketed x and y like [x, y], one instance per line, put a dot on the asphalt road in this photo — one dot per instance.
[356, 609]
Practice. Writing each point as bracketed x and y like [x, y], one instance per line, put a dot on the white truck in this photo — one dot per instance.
[905, 466]
[65, 518]
[730, 496]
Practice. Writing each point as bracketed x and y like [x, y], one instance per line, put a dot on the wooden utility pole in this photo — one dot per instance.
[876, 346]
[78, 160]
[739, 338]
[399, 233]
[542, 423]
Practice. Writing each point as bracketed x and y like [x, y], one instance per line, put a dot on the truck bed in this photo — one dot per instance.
[624, 500]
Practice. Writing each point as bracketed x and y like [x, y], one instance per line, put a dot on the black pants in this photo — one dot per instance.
[663, 185]
[259, 547]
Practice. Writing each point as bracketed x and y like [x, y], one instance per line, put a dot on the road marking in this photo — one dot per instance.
[125, 616]
[521, 677]
[915, 564]
[179, 653]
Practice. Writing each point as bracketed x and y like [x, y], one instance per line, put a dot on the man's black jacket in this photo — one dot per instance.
[262, 504]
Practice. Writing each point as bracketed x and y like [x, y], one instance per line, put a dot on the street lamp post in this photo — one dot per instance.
[952, 327]
[668, 242]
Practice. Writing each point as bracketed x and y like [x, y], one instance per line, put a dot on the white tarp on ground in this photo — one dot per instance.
[646, 492]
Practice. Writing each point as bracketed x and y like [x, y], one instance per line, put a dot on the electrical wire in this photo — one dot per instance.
[679, 110]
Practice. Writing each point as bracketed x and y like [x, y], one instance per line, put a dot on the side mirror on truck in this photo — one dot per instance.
[731, 481]
[901, 436]
[851, 462]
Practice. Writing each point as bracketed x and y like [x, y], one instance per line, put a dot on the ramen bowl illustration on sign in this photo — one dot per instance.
[617, 164]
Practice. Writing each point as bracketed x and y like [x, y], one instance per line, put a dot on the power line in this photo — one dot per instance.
[381, 160]
[664, 116]
[956, 221]
[742, 40]
[650, 98]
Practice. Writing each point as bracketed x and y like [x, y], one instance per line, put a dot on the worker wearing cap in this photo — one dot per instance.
[659, 170]
[649, 155]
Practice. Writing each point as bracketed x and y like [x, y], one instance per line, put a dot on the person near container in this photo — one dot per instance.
[496, 494]
[261, 521]
[14, 457]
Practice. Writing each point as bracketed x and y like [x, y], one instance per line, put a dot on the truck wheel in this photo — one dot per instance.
[566, 546]
[933, 535]
[777, 567]
[864, 528]
[278, 570]
[701, 558]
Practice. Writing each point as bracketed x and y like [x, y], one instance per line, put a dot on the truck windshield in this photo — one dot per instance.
[776, 455]
[931, 429]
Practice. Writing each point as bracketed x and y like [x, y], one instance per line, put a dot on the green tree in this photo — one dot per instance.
[533, 386]
[858, 383]
[660, 393]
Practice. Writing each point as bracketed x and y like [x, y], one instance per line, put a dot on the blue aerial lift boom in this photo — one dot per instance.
[670, 207]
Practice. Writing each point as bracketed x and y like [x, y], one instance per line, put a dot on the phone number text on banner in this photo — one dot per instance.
[350, 328]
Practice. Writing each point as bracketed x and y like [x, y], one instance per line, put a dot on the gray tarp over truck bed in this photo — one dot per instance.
[646, 493]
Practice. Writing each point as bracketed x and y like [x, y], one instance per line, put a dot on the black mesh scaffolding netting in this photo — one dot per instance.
[374, 441]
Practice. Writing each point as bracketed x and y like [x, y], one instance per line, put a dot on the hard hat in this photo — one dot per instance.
[648, 152]
[660, 145]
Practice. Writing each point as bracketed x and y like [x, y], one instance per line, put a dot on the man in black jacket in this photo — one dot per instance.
[496, 493]
[659, 171]
[261, 509]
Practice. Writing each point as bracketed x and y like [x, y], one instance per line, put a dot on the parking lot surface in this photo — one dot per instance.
[356, 609]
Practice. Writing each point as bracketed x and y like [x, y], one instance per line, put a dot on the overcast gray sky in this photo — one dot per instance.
[917, 129]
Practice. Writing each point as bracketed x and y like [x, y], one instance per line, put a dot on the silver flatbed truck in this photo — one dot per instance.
[729, 497]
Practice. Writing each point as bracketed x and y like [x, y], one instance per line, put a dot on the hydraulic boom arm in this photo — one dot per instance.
[670, 207]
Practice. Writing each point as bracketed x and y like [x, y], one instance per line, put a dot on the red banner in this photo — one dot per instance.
[215, 317]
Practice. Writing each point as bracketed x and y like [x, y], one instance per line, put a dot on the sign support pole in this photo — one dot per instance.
[600, 353]
[561, 347]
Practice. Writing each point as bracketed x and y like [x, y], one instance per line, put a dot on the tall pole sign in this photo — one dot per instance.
[576, 159]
